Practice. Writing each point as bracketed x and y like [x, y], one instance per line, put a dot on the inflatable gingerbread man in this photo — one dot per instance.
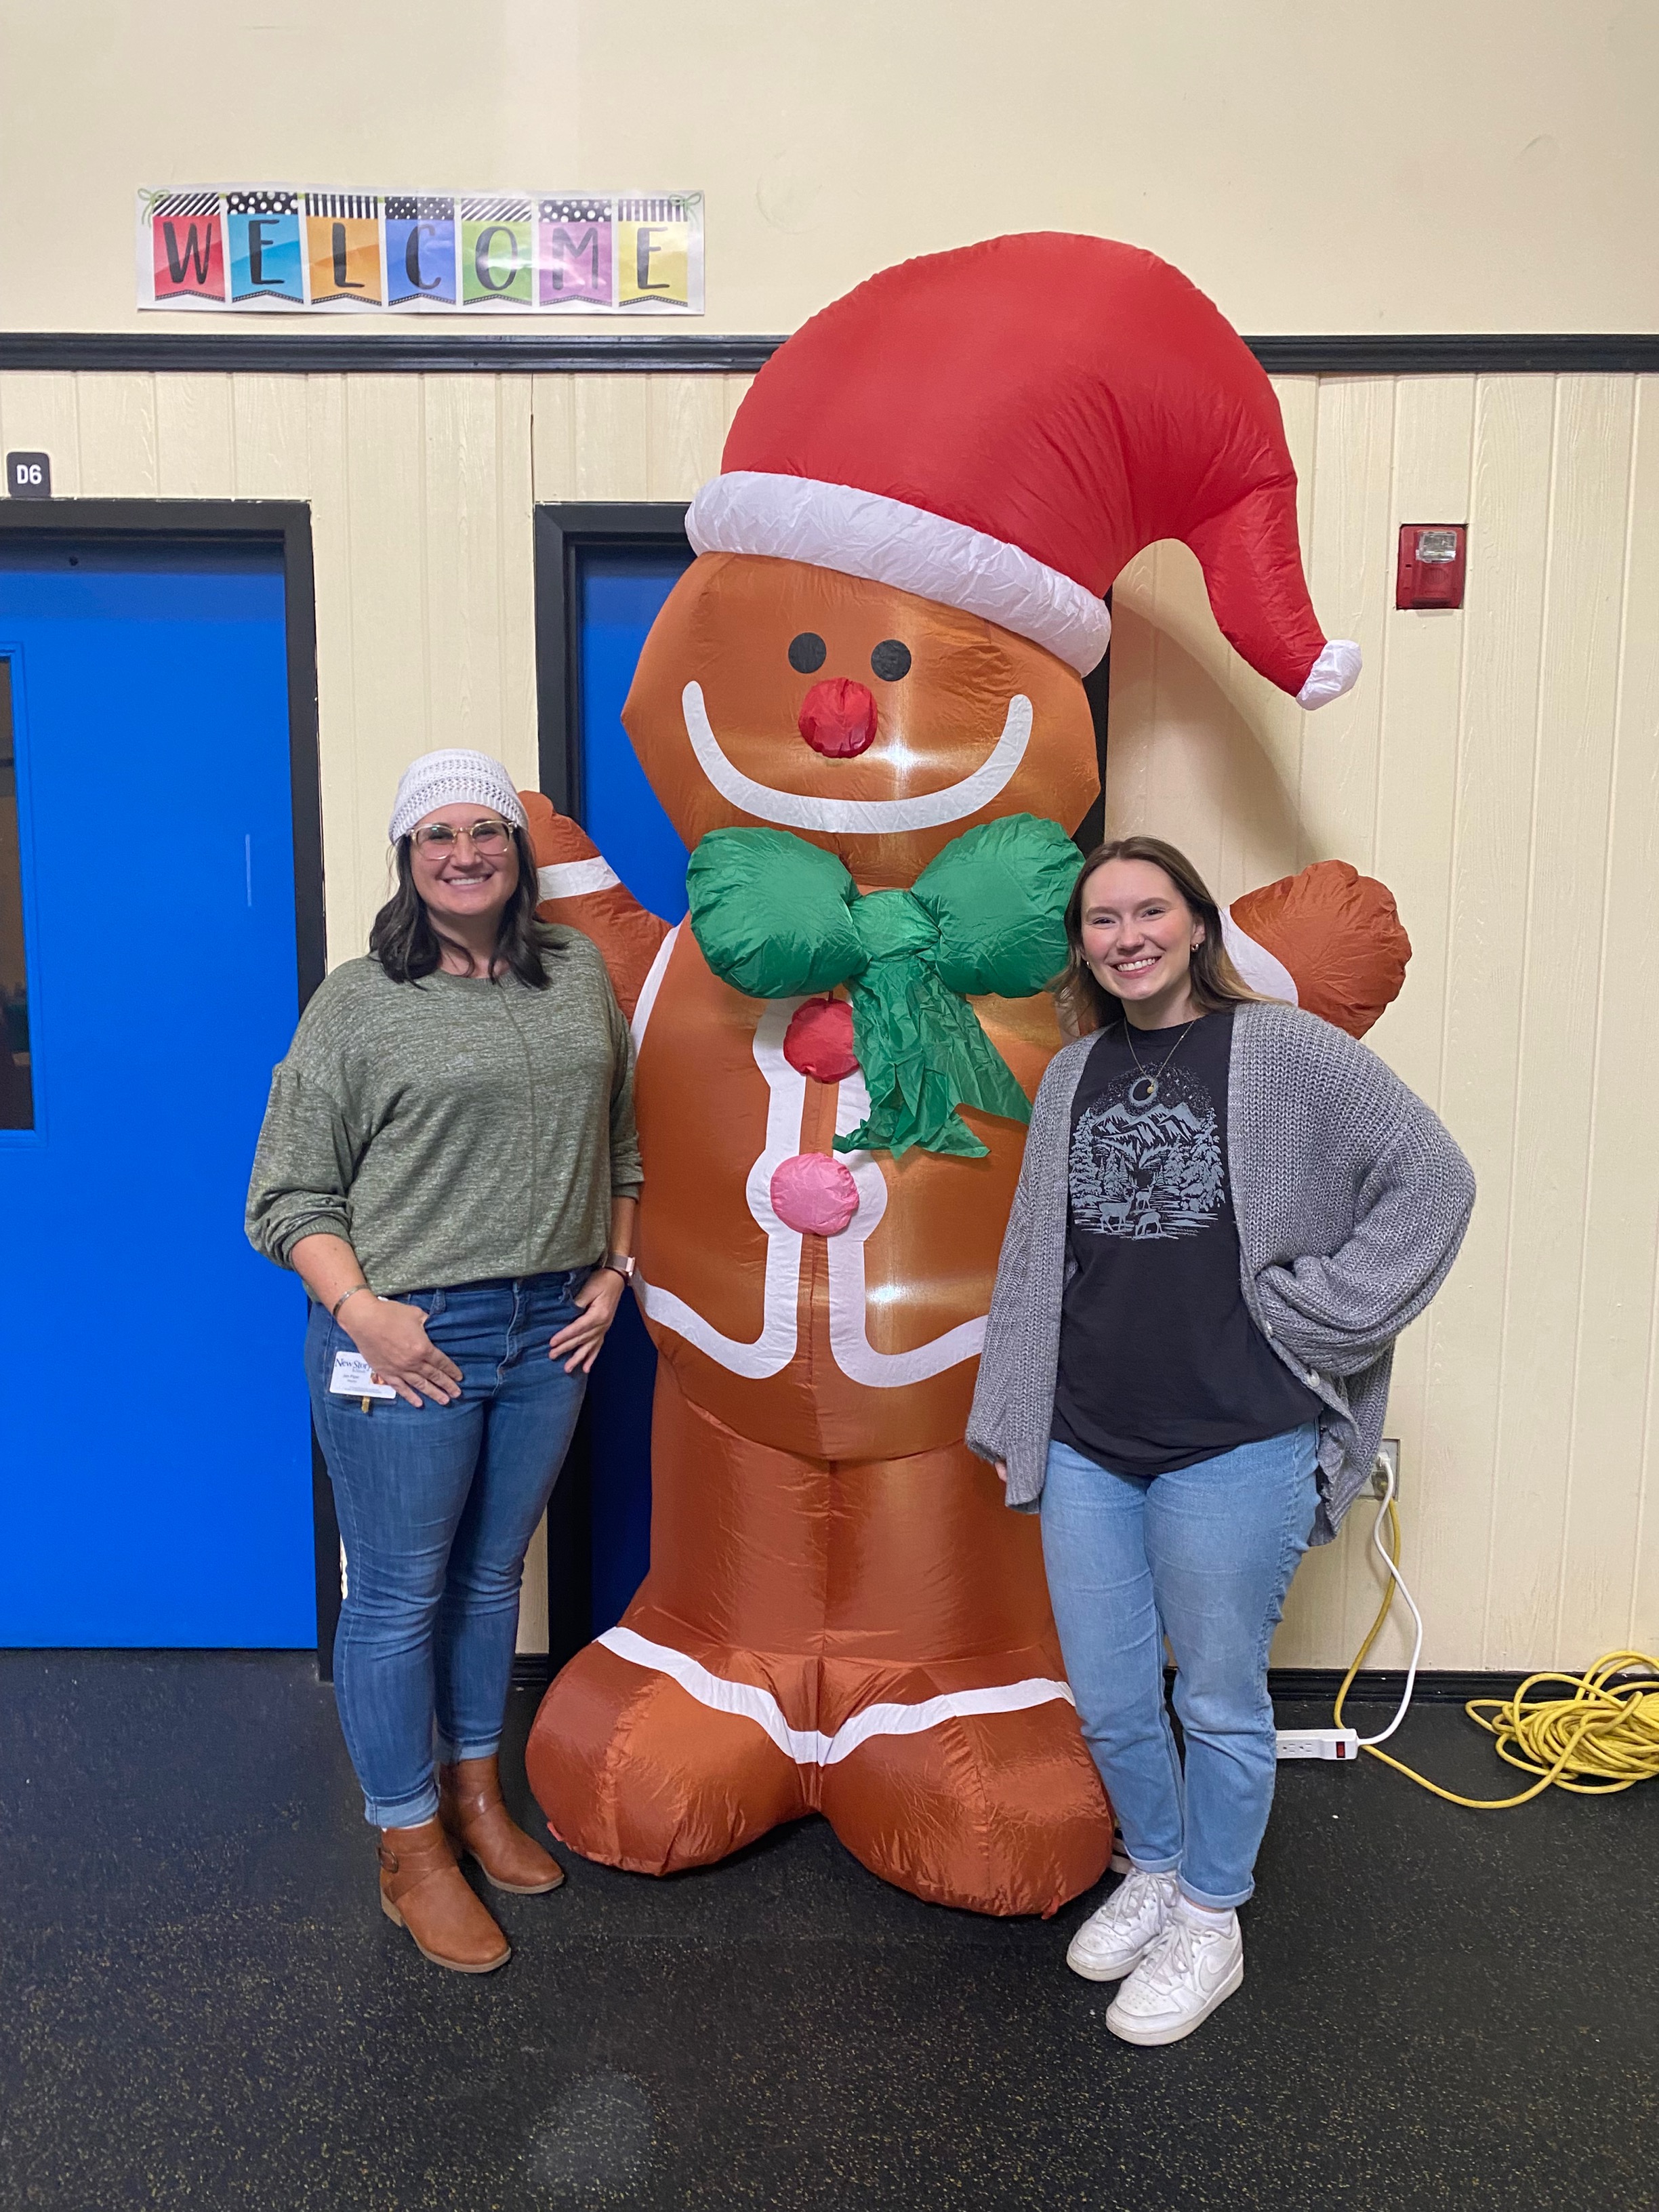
[862, 707]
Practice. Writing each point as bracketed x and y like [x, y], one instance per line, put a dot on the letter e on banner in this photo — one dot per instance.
[653, 252]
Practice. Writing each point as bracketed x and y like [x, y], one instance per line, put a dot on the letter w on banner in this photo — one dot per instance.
[187, 247]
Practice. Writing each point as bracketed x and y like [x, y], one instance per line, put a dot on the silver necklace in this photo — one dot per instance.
[1144, 1089]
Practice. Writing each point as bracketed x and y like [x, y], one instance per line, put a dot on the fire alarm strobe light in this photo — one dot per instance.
[1431, 557]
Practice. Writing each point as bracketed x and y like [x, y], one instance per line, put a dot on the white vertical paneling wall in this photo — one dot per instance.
[1499, 768]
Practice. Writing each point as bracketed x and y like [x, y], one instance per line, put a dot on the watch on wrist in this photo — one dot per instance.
[620, 1263]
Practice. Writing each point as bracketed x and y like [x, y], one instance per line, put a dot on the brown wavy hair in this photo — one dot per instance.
[1084, 1004]
[407, 947]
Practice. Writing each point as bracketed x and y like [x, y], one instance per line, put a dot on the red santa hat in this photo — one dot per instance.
[1001, 429]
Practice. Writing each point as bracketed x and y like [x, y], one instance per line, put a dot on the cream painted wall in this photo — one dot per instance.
[1451, 165]
[1496, 766]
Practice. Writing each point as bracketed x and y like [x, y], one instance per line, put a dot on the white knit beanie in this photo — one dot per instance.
[448, 779]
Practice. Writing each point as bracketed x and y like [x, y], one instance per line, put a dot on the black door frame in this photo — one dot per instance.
[563, 532]
[286, 525]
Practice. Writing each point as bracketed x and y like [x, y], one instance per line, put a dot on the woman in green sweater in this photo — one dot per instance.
[449, 1161]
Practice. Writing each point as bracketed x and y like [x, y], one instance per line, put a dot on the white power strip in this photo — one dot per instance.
[1318, 1743]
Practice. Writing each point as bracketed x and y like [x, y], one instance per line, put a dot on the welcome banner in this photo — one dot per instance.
[302, 248]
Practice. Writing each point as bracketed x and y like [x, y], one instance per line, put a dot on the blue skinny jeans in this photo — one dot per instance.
[436, 1509]
[1203, 1556]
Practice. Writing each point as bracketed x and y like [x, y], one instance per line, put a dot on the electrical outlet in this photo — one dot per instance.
[1388, 1453]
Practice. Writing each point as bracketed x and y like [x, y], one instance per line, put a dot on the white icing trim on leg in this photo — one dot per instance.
[772, 1351]
[811, 1746]
[849, 1324]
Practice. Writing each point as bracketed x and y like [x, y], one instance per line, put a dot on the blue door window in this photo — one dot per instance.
[155, 1481]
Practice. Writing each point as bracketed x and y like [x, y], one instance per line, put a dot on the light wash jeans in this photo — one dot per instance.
[436, 1510]
[1203, 1556]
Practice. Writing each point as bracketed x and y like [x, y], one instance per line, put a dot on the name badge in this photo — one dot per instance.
[353, 1378]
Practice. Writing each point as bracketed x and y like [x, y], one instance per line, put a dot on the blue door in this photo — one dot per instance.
[154, 1475]
[618, 593]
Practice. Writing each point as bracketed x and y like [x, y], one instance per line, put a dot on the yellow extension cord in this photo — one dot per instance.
[1606, 1734]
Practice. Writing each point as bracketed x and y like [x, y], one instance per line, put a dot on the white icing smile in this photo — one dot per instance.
[800, 809]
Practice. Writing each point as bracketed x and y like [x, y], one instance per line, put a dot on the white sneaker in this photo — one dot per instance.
[1185, 1975]
[1113, 1941]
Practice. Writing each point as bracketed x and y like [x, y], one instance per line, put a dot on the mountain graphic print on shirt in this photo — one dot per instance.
[1152, 1168]
[1160, 1363]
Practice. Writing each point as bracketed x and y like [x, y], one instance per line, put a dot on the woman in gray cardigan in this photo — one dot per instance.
[1228, 1211]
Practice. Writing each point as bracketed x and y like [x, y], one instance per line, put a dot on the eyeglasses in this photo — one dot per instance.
[483, 837]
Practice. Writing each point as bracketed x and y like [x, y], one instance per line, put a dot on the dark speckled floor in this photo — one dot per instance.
[201, 2005]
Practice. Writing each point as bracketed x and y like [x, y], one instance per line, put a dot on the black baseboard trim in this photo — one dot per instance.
[532, 1670]
[1435, 1686]
[521, 353]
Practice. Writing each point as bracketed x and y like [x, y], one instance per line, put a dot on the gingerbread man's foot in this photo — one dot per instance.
[632, 1769]
[1000, 1811]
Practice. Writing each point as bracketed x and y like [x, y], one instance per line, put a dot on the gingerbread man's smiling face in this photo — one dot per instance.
[876, 724]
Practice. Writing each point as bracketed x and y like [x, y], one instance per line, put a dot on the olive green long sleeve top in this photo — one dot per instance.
[452, 1130]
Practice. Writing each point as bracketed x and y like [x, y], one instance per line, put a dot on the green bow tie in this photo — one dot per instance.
[777, 918]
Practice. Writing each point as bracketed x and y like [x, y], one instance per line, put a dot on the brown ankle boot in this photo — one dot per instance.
[470, 1807]
[422, 1889]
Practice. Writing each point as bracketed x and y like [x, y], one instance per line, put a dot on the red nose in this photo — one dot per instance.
[838, 718]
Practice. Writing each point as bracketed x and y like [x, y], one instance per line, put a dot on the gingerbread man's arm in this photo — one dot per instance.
[1334, 935]
[579, 888]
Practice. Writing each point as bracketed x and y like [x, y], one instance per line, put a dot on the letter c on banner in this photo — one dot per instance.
[412, 257]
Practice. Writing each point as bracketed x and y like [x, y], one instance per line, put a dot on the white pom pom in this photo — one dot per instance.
[1336, 670]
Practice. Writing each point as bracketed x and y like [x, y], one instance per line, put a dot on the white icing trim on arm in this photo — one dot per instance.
[1261, 969]
[576, 878]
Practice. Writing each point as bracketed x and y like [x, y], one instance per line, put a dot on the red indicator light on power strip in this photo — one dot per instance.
[1432, 556]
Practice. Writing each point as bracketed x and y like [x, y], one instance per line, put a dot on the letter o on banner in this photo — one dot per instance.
[483, 267]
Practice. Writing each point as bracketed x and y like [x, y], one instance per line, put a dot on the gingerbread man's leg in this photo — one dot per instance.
[871, 1638]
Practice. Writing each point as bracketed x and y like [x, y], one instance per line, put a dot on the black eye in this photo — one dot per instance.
[890, 660]
[807, 653]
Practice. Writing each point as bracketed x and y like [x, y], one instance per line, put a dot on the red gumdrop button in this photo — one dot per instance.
[838, 718]
[819, 1041]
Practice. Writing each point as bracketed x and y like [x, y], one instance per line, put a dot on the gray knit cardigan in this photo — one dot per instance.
[1351, 1201]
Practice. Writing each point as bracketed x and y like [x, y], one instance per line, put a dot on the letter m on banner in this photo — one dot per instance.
[187, 239]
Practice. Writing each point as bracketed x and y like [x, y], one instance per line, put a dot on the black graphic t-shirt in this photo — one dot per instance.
[1160, 1363]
